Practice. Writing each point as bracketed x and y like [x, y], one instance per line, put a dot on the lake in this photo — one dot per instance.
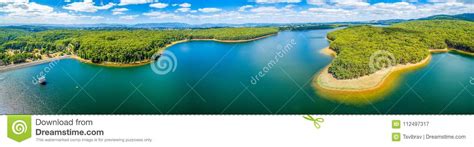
[267, 76]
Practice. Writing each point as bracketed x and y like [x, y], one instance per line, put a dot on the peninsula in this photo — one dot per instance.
[368, 60]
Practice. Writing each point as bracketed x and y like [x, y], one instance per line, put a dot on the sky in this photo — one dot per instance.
[221, 11]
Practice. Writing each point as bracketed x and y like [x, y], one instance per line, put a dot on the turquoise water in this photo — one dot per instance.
[215, 78]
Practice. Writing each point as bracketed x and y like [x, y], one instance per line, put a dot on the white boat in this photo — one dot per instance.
[42, 80]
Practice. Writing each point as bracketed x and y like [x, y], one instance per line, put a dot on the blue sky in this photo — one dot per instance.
[221, 11]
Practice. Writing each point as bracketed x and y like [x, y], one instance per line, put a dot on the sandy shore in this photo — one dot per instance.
[32, 63]
[111, 64]
[445, 50]
[328, 51]
[362, 90]
[461, 52]
[368, 82]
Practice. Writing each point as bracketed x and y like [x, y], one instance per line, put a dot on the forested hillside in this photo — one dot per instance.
[438, 34]
[124, 46]
[408, 42]
[465, 16]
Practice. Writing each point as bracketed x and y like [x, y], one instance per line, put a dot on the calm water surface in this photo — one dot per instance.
[212, 77]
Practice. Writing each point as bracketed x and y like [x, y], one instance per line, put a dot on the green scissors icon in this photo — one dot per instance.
[315, 121]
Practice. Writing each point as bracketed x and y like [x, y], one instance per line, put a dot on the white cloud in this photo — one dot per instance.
[134, 2]
[87, 6]
[22, 12]
[400, 6]
[441, 1]
[183, 9]
[332, 11]
[269, 9]
[341, 3]
[159, 5]
[243, 8]
[14, 1]
[25, 9]
[325, 11]
[380, 11]
[316, 2]
[352, 4]
[128, 17]
[185, 5]
[119, 11]
[328, 11]
[209, 10]
[277, 1]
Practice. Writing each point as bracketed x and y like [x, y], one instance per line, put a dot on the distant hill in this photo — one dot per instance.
[465, 16]
[161, 25]
[387, 22]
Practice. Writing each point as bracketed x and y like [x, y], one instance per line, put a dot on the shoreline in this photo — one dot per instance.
[234, 41]
[461, 52]
[110, 64]
[117, 64]
[445, 50]
[32, 63]
[328, 51]
[147, 61]
[364, 83]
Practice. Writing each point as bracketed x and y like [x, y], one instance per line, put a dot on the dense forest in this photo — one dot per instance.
[124, 46]
[408, 42]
